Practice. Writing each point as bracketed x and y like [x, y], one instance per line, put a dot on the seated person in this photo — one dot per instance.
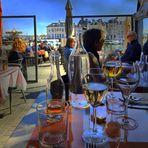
[133, 51]
[93, 41]
[16, 54]
[43, 51]
[29, 52]
[17, 50]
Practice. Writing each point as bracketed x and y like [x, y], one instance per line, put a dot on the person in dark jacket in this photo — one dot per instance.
[133, 51]
[145, 48]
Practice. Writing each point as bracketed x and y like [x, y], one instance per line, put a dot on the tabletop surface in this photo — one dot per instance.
[26, 133]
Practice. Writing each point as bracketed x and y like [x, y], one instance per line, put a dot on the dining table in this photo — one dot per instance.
[12, 77]
[26, 133]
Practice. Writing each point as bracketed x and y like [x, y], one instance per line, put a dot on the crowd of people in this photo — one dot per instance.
[93, 40]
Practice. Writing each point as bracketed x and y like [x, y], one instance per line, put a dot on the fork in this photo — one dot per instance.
[88, 145]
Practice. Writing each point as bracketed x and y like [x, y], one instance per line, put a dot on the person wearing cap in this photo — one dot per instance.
[133, 51]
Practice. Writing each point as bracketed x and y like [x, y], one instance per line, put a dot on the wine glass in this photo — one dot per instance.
[111, 70]
[127, 82]
[94, 88]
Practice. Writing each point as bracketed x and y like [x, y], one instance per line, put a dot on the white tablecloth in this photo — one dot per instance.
[12, 77]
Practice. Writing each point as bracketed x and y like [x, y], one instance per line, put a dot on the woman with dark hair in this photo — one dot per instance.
[93, 41]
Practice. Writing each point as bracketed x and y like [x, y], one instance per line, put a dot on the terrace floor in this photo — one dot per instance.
[9, 122]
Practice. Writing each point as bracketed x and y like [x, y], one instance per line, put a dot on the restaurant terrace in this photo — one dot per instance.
[111, 114]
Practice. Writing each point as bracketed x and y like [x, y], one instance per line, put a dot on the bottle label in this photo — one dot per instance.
[57, 89]
[75, 82]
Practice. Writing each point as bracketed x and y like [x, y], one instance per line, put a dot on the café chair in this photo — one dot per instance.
[17, 63]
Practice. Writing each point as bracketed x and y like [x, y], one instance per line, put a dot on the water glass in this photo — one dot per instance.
[112, 129]
[52, 123]
[114, 105]
[127, 82]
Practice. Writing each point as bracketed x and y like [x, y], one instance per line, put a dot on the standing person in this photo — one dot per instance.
[133, 51]
[70, 44]
[145, 48]
[93, 41]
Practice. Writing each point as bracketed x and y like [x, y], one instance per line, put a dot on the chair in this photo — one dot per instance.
[10, 89]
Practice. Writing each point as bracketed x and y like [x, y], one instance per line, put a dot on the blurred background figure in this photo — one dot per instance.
[43, 51]
[61, 51]
[70, 45]
[145, 48]
[17, 54]
[18, 51]
[133, 51]
[29, 51]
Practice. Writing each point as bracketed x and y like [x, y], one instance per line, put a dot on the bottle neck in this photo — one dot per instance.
[55, 56]
[57, 66]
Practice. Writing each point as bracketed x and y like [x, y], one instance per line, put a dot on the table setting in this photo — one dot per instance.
[111, 119]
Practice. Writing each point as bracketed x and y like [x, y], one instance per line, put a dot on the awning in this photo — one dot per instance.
[142, 11]
[68, 21]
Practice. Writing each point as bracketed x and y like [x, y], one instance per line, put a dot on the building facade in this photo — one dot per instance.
[117, 29]
[56, 30]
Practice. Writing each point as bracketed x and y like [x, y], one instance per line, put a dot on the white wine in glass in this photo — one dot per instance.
[94, 88]
[94, 93]
[111, 70]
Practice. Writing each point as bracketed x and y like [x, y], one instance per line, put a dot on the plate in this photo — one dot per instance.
[81, 104]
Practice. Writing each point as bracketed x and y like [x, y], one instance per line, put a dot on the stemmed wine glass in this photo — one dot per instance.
[94, 88]
[111, 70]
[127, 82]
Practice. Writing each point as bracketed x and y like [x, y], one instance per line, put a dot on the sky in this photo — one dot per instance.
[48, 11]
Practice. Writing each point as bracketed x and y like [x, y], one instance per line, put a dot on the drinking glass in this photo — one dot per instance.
[94, 88]
[112, 129]
[145, 68]
[52, 123]
[111, 70]
[127, 82]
